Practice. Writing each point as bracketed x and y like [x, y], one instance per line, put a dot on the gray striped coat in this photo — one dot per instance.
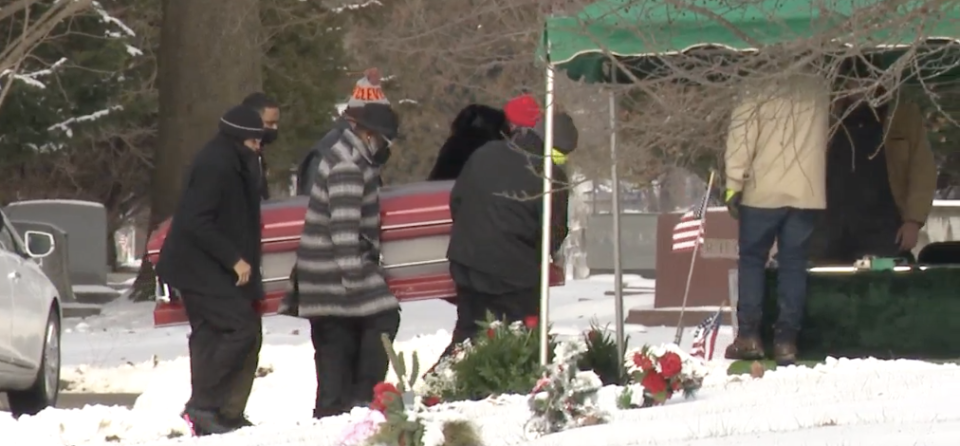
[338, 269]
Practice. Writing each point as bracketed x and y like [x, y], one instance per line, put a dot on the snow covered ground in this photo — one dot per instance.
[840, 403]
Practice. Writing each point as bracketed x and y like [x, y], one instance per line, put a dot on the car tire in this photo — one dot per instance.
[45, 389]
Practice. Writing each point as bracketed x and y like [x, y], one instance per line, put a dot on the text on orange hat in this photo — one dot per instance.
[368, 93]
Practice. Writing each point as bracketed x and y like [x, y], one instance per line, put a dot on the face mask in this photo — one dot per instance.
[269, 136]
[382, 156]
[380, 150]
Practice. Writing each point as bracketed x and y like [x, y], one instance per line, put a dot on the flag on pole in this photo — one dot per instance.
[705, 337]
[689, 232]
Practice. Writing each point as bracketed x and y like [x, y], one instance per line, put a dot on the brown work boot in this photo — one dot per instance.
[745, 347]
[785, 353]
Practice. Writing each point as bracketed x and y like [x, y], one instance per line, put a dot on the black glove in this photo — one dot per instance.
[732, 200]
[369, 251]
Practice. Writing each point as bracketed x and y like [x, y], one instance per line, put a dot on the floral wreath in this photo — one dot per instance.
[442, 378]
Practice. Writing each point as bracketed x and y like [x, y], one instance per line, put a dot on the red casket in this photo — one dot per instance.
[415, 232]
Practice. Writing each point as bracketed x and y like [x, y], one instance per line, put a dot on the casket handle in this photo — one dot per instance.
[419, 263]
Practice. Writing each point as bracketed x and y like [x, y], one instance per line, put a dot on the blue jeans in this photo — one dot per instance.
[759, 228]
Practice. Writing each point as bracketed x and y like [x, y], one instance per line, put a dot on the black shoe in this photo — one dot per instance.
[785, 353]
[744, 348]
[785, 347]
[319, 413]
[360, 403]
[238, 423]
[206, 422]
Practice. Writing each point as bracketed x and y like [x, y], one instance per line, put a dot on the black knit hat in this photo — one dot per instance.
[565, 134]
[380, 119]
[242, 122]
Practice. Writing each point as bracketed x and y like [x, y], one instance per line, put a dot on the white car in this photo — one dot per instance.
[29, 322]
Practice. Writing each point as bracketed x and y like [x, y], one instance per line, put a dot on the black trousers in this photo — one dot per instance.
[241, 388]
[224, 334]
[848, 235]
[473, 307]
[350, 359]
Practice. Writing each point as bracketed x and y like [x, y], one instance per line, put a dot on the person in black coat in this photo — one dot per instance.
[211, 257]
[473, 127]
[494, 249]
[236, 401]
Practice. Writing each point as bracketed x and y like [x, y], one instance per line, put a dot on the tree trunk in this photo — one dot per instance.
[209, 59]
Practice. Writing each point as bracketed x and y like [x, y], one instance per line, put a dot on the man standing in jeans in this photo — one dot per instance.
[776, 183]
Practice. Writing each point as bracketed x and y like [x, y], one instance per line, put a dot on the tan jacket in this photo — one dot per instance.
[910, 164]
[776, 146]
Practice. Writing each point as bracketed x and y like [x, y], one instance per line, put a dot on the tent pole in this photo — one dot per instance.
[547, 217]
[617, 258]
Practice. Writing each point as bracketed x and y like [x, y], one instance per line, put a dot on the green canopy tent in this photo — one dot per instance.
[582, 45]
[641, 34]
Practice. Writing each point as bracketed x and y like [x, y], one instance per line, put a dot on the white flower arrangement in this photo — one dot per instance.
[565, 397]
[442, 378]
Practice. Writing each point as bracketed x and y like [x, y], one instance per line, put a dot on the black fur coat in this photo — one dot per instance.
[473, 127]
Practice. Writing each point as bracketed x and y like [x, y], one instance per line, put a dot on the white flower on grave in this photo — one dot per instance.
[516, 326]
[448, 373]
[568, 351]
[462, 349]
[586, 381]
[495, 325]
[433, 433]
[636, 394]
[658, 350]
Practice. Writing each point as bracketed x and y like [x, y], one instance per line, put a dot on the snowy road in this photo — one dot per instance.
[81, 400]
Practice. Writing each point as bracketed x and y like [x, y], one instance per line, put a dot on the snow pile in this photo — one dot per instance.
[92, 425]
[287, 388]
[842, 395]
[283, 395]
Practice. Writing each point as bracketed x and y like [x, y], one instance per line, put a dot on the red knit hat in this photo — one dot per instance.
[522, 111]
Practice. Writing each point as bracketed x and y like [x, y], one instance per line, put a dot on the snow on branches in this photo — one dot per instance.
[52, 36]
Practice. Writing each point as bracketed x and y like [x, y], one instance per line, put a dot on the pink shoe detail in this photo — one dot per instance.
[189, 422]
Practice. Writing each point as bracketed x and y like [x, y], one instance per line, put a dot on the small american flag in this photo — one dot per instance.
[689, 232]
[705, 337]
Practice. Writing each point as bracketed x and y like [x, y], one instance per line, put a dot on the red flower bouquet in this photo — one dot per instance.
[661, 374]
[670, 364]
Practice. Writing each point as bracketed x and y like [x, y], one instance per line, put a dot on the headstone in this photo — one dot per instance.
[85, 224]
[126, 238]
[638, 243]
[574, 251]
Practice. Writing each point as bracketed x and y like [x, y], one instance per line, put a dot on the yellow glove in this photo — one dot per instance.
[732, 199]
[727, 196]
[558, 157]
